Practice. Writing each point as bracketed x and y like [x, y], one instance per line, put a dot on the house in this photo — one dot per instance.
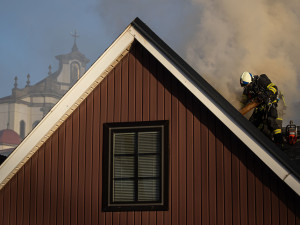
[142, 138]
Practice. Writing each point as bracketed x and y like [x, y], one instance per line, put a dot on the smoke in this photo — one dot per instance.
[256, 36]
[221, 39]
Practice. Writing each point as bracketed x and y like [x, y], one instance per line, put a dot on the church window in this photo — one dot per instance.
[75, 72]
[35, 123]
[22, 129]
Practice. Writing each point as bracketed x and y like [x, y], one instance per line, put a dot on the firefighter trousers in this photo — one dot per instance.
[264, 116]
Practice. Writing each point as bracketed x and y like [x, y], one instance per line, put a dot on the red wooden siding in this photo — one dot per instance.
[213, 177]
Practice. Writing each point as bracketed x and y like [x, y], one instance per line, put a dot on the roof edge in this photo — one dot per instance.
[273, 154]
[67, 104]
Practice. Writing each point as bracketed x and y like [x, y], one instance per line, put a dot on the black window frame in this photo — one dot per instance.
[108, 130]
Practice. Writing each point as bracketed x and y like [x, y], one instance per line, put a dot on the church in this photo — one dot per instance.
[26, 106]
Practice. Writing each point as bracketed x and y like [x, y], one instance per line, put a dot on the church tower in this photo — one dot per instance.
[71, 66]
[25, 107]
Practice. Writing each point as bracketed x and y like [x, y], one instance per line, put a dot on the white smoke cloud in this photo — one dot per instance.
[221, 39]
[256, 36]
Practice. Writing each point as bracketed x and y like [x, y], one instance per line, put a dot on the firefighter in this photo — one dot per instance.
[262, 90]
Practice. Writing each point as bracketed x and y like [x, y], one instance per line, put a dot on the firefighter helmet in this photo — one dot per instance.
[246, 78]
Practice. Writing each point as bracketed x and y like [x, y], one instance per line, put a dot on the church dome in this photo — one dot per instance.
[10, 137]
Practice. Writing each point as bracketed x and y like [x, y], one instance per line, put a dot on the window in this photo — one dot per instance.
[22, 129]
[135, 166]
[75, 72]
[35, 123]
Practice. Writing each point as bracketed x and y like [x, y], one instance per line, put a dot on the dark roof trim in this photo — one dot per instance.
[216, 96]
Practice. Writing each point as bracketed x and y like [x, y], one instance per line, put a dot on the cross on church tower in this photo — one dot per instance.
[75, 35]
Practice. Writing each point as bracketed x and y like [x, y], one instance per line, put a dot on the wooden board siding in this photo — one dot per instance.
[213, 177]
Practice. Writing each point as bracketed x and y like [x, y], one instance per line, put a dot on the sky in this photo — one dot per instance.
[219, 39]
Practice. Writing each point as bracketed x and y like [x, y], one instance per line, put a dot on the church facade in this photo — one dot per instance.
[25, 107]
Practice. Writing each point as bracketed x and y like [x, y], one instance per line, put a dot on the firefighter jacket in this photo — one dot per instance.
[261, 89]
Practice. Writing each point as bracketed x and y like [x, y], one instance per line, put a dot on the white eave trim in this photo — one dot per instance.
[259, 150]
[293, 182]
[68, 103]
